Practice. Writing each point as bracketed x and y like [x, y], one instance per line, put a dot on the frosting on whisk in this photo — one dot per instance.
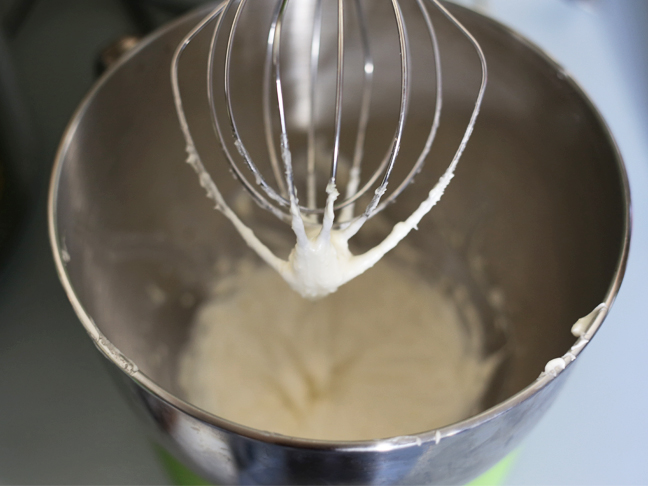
[321, 260]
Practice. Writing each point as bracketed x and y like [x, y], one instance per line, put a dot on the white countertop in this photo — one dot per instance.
[597, 431]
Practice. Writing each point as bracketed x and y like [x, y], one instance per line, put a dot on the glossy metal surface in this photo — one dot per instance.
[539, 210]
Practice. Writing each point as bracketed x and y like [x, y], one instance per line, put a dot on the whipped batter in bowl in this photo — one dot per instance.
[388, 354]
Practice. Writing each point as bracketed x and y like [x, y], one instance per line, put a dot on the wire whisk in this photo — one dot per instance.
[270, 179]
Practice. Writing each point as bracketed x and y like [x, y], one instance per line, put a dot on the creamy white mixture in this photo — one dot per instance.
[386, 355]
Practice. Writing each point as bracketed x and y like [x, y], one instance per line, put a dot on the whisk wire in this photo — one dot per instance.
[363, 121]
[256, 195]
[482, 87]
[286, 156]
[267, 111]
[403, 46]
[338, 91]
[418, 165]
[311, 177]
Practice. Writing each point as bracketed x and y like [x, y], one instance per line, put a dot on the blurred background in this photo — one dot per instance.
[61, 418]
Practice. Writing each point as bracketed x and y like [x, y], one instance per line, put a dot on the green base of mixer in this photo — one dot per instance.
[496, 475]
[182, 476]
[178, 473]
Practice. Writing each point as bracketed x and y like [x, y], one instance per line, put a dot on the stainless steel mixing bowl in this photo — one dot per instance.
[535, 225]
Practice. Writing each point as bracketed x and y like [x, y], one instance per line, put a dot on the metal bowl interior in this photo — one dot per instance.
[538, 211]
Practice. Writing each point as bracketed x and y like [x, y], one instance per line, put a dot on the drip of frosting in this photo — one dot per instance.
[321, 260]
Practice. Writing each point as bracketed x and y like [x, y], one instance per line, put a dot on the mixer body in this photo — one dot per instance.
[535, 226]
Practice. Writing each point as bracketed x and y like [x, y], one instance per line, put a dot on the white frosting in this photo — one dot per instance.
[340, 368]
[583, 324]
[321, 261]
[555, 366]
